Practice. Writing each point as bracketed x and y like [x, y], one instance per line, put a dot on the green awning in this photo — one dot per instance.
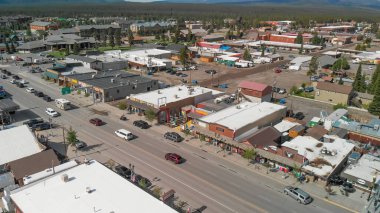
[50, 75]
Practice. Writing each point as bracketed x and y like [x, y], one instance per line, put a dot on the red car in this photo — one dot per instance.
[174, 158]
[96, 121]
[277, 70]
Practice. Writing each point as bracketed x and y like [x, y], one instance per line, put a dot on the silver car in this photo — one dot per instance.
[298, 194]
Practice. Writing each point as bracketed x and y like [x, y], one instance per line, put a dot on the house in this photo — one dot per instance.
[167, 102]
[88, 187]
[256, 92]
[317, 132]
[17, 143]
[42, 26]
[333, 93]
[364, 172]
[32, 47]
[153, 26]
[264, 138]
[32, 164]
[325, 62]
[240, 121]
[89, 30]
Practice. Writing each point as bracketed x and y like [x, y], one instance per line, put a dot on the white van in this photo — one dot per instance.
[127, 135]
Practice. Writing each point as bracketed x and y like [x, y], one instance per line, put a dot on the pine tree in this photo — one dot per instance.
[117, 38]
[7, 48]
[183, 56]
[177, 35]
[374, 106]
[375, 75]
[13, 48]
[76, 49]
[363, 86]
[340, 81]
[313, 66]
[247, 55]
[130, 38]
[111, 41]
[356, 85]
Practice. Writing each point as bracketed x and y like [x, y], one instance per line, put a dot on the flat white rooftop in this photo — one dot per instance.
[311, 148]
[366, 168]
[16, 143]
[145, 53]
[109, 193]
[238, 116]
[283, 44]
[171, 94]
[285, 125]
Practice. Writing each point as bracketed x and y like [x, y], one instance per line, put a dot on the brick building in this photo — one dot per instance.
[43, 26]
[256, 92]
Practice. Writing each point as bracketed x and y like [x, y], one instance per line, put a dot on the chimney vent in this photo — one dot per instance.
[65, 178]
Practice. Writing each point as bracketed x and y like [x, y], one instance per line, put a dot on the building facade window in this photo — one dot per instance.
[219, 129]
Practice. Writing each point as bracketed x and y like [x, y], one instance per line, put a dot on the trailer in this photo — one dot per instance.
[63, 104]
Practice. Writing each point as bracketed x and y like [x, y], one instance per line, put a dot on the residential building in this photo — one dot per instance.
[89, 30]
[240, 121]
[153, 26]
[42, 26]
[17, 143]
[326, 61]
[32, 164]
[193, 25]
[256, 92]
[363, 173]
[167, 103]
[32, 47]
[333, 93]
[88, 187]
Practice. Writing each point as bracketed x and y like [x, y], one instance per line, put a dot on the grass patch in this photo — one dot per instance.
[107, 48]
[57, 54]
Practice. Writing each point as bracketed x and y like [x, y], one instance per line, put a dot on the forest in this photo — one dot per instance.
[216, 12]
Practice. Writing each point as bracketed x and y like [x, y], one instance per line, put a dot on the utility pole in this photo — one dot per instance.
[64, 140]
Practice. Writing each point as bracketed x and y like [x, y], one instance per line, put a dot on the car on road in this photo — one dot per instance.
[141, 124]
[125, 134]
[173, 136]
[211, 72]
[51, 112]
[41, 126]
[183, 75]
[30, 90]
[79, 144]
[33, 121]
[39, 94]
[13, 81]
[178, 73]
[123, 171]
[16, 77]
[47, 98]
[96, 121]
[298, 194]
[175, 158]
[19, 84]
[348, 187]
[4, 77]
[278, 70]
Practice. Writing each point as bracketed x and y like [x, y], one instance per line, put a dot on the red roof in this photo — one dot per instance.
[253, 85]
[209, 45]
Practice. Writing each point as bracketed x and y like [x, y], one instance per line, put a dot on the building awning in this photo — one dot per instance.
[50, 75]
[140, 105]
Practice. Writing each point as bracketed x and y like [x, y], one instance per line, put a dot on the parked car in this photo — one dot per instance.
[336, 180]
[123, 171]
[4, 76]
[298, 194]
[47, 98]
[309, 89]
[23, 81]
[282, 91]
[173, 136]
[13, 81]
[51, 112]
[79, 144]
[19, 84]
[174, 158]
[183, 75]
[211, 72]
[299, 116]
[41, 126]
[193, 67]
[141, 124]
[348, 187]
[32, 122]
[178, 73]
[277, 70]
[16, 77]
[39, 94]
[96, 121]
[30, 90]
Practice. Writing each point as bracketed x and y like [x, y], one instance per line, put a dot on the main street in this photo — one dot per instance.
[203, 180]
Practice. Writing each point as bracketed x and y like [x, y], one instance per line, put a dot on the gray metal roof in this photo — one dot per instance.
[118, 81]
[82, 58]
[31, 45]
[326, 60]
[106, 26]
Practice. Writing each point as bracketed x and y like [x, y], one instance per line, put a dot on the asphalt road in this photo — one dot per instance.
[203, 180]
